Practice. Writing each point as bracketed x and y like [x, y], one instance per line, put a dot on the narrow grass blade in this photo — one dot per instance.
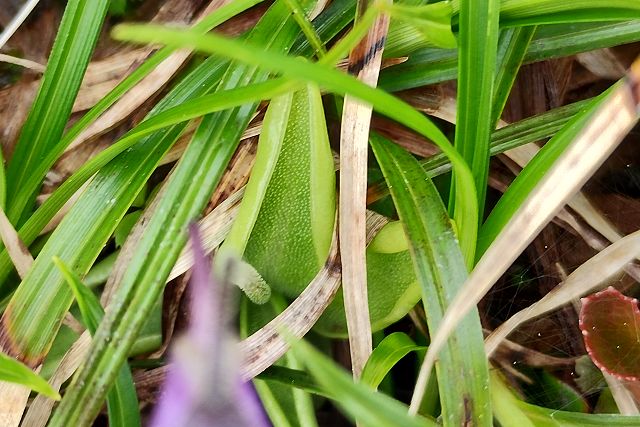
[596, 140]
[477, 47]
[529, 130]
[510, 409]
[307, 27]
[358, 401]
[534, 172]
[527, 12]
[441, 271]
[385, 356]
[512, 48]
[430, 65]
[282, 402]
[122, 401]
[15, 372]
[75, 41]
[88, 125]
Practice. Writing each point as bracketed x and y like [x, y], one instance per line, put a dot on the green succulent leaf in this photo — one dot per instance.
[285, 223]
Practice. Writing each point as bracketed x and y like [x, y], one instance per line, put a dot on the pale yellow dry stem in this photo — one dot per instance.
[12, 404]
[26, 63]
[17, 250]
[354, 143]
[597, 140]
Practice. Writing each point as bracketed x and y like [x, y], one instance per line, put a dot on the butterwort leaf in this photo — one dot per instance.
[204, 388]
[610, 324]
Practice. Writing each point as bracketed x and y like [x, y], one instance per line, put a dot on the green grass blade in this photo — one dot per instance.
[477, 47]
[307, 28]
[15, 372]
[89, 306]
[428, 65]
[211, 21]
[466, 216]
[512, 48]
[510, 410]
[526, 180]
[526, 131]
[122, 400]
[357, 400]
[3, 183]
[385, 356]
[441, 271]
[72, 49]
[537, 12]
[292, 377]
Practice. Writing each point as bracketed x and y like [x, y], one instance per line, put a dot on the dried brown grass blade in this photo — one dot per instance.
[18, 252]
[588, 277]
[30, 65]
[153, 82]
[596, 141]
[364, 61]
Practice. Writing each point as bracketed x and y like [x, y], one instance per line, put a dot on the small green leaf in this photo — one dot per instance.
[15, 372]
[124, 228]
[433, 21]
[385, 356]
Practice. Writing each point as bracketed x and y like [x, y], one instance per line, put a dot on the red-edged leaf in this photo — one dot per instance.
[610, 324]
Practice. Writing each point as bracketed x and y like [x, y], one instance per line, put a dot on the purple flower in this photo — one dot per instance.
[203, 385]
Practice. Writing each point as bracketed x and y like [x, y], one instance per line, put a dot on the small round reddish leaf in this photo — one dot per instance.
[610, 324]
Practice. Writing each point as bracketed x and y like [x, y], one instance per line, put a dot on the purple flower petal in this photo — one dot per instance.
[203, 386]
